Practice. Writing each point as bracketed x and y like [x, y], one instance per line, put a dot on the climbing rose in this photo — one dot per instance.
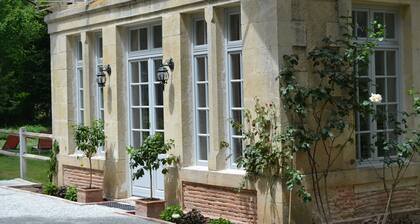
[375, 98]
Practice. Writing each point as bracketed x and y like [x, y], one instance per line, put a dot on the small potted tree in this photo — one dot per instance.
[88, 140]
[147, 159]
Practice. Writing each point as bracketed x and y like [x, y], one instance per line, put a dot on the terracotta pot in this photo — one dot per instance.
[86, 195]
[149, 207]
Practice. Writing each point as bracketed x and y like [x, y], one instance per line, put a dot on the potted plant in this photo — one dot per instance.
[88, 140]
[148, 158]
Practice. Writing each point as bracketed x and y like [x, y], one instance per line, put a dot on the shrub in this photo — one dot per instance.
[220, 221]
[169, 211]
[71, 193]
[50, 189]
[192, 217]
[61, 191]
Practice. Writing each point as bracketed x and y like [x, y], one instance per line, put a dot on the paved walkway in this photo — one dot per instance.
[20, 207]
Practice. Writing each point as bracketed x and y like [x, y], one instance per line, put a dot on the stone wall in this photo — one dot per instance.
[76, 176]
[213, 201]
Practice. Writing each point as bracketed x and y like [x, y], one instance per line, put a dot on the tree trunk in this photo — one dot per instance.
[90, 176]
[151, 188]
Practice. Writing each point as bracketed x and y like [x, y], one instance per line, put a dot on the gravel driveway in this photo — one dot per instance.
[18, 207]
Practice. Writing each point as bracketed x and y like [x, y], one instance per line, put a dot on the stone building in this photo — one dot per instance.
[226, 53]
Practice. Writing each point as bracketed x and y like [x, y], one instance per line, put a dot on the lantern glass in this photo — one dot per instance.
[162, 74]
[101, 79]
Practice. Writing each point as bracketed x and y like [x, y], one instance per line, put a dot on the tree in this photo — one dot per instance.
[24, 64]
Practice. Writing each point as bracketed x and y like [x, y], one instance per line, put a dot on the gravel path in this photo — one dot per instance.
[18, 207]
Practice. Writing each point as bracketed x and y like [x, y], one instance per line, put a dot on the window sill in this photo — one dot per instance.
[81, 156]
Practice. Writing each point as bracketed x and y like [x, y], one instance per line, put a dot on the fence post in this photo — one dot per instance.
[22, 151]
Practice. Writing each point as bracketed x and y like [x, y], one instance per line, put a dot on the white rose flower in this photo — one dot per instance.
[375, 98]
[176, 216]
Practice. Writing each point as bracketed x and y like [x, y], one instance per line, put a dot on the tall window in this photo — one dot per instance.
[99, 90]
[380, 76]
[79, 82]
[146, 93]
[235, 80]
[201, 90]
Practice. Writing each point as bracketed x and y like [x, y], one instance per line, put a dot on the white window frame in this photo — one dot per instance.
[100, 107]
[232, 47]
[393, 44]
[79, 81]
[200, 51]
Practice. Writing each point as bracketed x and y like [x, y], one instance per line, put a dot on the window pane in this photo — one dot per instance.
[135, 118]
[144, 135]
[362, 24]
[364, 89]
[157, 36]
[234, 27]
[365, 145]
[236, 148]
[82, 117]
[235, 66]
[379, 63]
[201, 69]
[200, 32]
[389, 26]
[134, 40]
[135, 72]
[363, 70]
[80, 78]
[79, 50]
[236, 94]
[201, 95]
[144, 95]
[143, 39]
[159, 94]
[81, 100]
[381, 117]
[237, 118]
[392, 90]
[380, 143]
[390, 63]
[202, 141]
[380, 86]
[145, 123]
[364, 123]
[144, 71]
[378, 17]
[392, 116]
[100, 48]
[136, 139]
[159, 118]
[202, 122]
[135, 95]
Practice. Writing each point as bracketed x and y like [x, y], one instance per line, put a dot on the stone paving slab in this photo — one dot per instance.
[20, 207]
[17, 182]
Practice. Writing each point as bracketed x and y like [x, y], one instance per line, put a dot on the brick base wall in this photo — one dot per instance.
[345, 203]
[76, 176]
[213, 201]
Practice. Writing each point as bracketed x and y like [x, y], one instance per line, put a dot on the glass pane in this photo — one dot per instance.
[134, 72]
[81, 100]
[365, 145]
[362, 24]
[145, 123]
[157, 64]
[201, 69]
[364, 123]
[144, 71]
[202, 122]
[136, 139]
[392, 116]
[102, 115]
[378, 17]
[135, 95]
[80, 78]
[82, 117]
[144, 95]
[134, 40]
[157, 36]
[380, 143]
[200, 32]
[363, 70]
[381, 117]
[201, 95]
[390, 63]
[135, 118]
[379, 63]
[101, 98]
[389, 26]
[392, 89]
[235, 27]
[380, 86]
[236, 148]
[100, 48]
[236, 94]
[237, 118]
[364, 89]
[144, 135]
[159, 118]
[202, 144]
[159, 95]
[79, 50]
[143, 39]
[235, 66]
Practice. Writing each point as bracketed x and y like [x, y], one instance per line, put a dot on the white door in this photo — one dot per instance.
[146, 116]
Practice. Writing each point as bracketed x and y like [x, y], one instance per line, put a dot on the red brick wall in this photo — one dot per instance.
[345, 203]
[213, 201]
[76, 176]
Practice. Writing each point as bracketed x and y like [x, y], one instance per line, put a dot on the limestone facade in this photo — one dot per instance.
[269, 30]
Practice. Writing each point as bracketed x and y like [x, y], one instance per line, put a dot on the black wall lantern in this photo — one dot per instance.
[162, 74]
[101, 75]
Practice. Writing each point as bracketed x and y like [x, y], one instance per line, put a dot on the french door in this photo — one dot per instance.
[146, 116]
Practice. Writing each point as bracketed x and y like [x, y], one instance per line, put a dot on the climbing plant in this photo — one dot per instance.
[53, 162]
